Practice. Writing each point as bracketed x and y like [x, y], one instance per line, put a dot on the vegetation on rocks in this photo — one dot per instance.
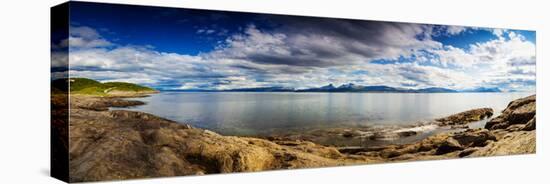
[84, 86]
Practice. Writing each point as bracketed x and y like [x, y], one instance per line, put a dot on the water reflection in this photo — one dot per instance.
[247, 113]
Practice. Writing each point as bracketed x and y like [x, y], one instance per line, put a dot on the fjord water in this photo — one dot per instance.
[260, 113]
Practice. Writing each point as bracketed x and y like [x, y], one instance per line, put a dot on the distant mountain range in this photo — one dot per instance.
[350, 87]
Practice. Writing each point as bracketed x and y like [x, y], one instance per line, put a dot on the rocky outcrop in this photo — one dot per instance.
[512, 132]
[445, 145]
[520, 111]
[119, 144]
[449, 145]
[464, 140]
[100, 103]
[518, 137]
[466, 117]
[519, 142]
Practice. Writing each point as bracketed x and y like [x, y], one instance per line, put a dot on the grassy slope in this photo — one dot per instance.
[91, 87]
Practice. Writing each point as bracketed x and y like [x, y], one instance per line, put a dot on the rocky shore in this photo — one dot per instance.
[119, 144]
[518, 137]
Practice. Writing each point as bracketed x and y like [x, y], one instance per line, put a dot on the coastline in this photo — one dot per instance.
[120, 144]
[383, 135]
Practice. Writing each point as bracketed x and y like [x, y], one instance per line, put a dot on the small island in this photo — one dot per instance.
[123, 144]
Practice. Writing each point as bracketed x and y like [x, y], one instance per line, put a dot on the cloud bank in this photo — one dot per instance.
[306, 52]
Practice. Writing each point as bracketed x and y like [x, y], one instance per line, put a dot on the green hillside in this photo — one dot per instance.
[92, 87]
[123, 86]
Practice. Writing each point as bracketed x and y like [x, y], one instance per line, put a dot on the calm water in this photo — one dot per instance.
[248, 113]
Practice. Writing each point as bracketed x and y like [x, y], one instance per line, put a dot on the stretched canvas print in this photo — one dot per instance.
[144, 92]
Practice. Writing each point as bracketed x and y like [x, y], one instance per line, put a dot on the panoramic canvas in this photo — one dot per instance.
[143, 92]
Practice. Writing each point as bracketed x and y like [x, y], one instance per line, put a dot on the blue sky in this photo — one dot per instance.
[170, 48]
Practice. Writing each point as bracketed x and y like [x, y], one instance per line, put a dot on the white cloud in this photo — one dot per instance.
[84, 37]
[77, 42]
[452, 56]
[84, 32]
[499, 32]
[509, 57]
[306, 58]
[455, 30]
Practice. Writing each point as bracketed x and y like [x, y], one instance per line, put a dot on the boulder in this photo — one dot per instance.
[474, 138]
[519, 111]
[464, 140]
[466, 117]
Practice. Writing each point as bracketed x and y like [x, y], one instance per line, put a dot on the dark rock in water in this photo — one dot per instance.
[406, 133]
[466, 117]
[347, 134]
[531, 125]
[450, 145]
[519, 111]
[350, 134]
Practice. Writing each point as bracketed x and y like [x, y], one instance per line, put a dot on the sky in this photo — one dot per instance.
[169, 48]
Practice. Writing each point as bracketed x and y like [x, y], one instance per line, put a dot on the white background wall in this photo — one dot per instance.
[24, 104]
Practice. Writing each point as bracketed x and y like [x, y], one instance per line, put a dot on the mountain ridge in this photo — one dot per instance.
[351, 87]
